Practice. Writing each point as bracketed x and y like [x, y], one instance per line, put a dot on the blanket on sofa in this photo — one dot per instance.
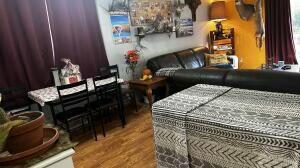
[166, 72]
[214, 126]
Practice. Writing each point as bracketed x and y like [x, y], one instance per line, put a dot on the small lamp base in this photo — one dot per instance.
[219, 30]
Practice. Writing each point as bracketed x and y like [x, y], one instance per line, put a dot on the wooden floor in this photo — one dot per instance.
[130, 147]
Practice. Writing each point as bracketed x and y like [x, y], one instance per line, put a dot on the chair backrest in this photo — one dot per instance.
[55, 74]
[106, 86]
[109, 69]
[73, 94]
[14, 97]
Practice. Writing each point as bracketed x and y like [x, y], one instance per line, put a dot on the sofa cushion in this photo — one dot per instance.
[187, 59]
[164, 61]
[199, 53]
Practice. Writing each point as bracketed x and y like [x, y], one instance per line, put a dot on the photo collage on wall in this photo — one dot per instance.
[145, 12]
[150, 14]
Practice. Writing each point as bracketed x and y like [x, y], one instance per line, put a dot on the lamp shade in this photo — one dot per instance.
[217, 11]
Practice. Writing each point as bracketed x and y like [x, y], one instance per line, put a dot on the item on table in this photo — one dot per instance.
[70, 73]
[147, 74]
[280, 63]
[286, 67]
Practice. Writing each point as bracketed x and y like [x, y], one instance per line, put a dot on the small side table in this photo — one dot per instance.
[149, 85]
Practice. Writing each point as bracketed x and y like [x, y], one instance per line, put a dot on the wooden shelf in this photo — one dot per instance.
[225, 45]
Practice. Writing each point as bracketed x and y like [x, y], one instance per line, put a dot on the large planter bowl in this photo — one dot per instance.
[51, 135]
[28, 135]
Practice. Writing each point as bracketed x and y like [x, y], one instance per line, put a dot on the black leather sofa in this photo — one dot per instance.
[193, 58]
[263, 80]
[195, 72]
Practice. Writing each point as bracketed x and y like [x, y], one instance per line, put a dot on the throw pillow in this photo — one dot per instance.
[216, 59]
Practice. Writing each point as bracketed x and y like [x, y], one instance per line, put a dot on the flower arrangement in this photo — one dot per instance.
[131, 59]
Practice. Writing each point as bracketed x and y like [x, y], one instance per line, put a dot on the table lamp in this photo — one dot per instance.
[217, 14]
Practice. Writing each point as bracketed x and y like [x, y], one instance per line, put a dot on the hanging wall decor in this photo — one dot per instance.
[155, 16]
[246, 11]
[144, 12]
[119, 6]
[193, 5]
[120, 28]
[184, 27]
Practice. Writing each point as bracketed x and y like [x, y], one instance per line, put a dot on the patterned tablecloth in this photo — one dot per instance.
[50, 94]
[212, 126]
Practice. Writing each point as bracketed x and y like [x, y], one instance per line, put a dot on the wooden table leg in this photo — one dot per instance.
[167, 90]
[40, 107]
[149, 96]
[121, 103]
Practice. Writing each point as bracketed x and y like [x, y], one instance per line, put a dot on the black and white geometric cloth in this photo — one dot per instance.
[166, 72]
[213, 126]
[50, 94]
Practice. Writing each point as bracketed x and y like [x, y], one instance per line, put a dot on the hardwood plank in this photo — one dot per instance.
[131, 146]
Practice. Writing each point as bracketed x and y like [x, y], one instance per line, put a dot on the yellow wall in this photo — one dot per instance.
[250, 56]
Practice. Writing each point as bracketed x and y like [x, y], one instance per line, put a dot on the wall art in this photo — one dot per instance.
[145, 12]
[119, 5]
[120, 28]
[184, 27]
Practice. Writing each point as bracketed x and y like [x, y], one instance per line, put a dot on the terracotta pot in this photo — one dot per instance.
[51, 135]
[28, 135]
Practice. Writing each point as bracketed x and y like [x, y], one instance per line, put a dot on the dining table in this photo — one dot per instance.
[49, 96]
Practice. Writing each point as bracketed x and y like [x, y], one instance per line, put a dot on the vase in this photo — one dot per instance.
[133, 77]
[131, 70]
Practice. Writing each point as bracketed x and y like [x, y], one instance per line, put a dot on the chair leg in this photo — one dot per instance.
[121, 115]
[121, 107]
[82, 124]
[93, 126]
[102, 122]
[68, 129]
[52, 113]
[135, 103]
[110, 114]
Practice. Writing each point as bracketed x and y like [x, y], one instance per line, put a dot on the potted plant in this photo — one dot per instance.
[21, 132]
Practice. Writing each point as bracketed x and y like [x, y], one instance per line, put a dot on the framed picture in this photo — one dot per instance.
[119, 5]
[145, 12]
[184, 27]
[120, 28]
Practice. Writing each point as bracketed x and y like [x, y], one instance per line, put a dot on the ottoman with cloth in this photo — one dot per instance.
[216, 126]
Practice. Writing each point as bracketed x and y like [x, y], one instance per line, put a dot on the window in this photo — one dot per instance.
[295, 9]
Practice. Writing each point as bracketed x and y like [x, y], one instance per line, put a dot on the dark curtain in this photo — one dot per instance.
[76, 34]
[25, 46]
[279, 35]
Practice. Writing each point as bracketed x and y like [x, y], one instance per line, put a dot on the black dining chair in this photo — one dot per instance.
[108, 97]
[74, 99]
[127, 93]
[14, 99]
